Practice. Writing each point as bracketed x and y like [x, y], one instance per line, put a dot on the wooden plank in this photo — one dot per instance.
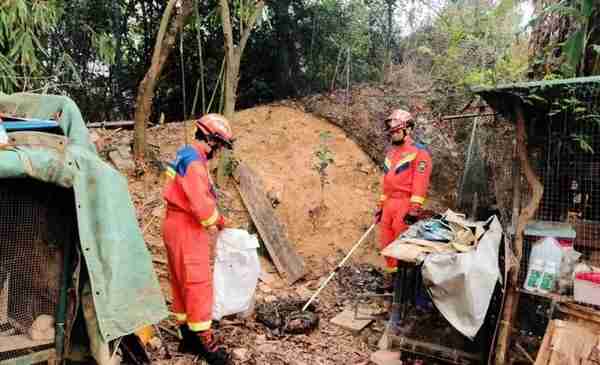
[440, 352]
[346, 320]
[272, 232]
[114, 124]
[545, 350]
[48, 356]
[19, 342]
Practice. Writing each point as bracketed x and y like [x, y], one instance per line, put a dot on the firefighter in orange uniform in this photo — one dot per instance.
[189, 231]
[407, 169]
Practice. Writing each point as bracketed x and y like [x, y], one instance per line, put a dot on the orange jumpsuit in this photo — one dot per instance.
[191, 208]
[407, 171]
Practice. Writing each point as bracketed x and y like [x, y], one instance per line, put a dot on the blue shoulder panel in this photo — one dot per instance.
[185, 156]
[421, 146]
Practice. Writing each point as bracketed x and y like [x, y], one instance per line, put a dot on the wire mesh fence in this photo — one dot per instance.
[565, 146]
[36, 220]
[485, 185]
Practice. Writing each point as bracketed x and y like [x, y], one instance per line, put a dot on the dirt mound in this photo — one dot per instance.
[279, 144]
[362, 114]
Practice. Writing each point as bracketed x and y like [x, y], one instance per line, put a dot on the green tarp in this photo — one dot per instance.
[126, 292]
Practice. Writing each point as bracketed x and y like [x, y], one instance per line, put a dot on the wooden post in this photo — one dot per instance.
[511, 297]
[516, 175]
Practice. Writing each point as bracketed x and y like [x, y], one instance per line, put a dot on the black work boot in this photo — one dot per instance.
[203, 344]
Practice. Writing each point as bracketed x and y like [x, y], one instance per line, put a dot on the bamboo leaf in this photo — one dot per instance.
[537, 98]
[587, 8]
[573, 48]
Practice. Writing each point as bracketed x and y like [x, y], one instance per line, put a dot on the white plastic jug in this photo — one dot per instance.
[3, 136]
[546, 253]
[236, 272]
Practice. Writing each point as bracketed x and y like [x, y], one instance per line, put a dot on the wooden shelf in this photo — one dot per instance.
[550, 296]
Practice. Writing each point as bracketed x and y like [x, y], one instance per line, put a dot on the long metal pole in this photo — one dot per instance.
[316, 294]
[61, 312]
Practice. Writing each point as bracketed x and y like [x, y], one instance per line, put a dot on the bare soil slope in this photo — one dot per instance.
[279, 144]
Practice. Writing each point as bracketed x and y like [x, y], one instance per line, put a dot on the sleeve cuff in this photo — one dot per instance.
[212, 220]
[415, 199]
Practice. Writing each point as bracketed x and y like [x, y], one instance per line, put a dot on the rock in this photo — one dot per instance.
[240, 354]
[261, 338]
[267, 348]
[382, 357]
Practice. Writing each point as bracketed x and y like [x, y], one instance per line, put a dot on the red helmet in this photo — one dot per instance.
[399, 119]
[217, 127]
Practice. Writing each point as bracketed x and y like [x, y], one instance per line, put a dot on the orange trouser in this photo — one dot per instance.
[188, 249]
[392, 225]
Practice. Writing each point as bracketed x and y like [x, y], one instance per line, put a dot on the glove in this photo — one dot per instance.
[413, 215]
[377, 216]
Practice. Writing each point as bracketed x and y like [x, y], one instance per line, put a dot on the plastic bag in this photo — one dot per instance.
[236, 272]
[567, 268]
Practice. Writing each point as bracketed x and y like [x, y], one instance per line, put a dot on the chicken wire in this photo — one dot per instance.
[36, 221]
[565, 154]
[485, 184]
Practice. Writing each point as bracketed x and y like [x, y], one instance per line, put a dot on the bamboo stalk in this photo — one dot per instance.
[336, 69]
[199, 39]
[219, 80]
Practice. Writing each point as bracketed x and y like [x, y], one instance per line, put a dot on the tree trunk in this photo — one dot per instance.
[511, 302]
[283, 25]
[387, 62]
[165, 42]
[233, 53]
[231, 83]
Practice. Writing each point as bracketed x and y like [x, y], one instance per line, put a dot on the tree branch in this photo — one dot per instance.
[165, 41]
[512, 296]
[227, 31]
[257, 11]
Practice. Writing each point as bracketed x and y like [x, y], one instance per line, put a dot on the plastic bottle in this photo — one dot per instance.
[3, 136]
[548, 283]
[535, 273]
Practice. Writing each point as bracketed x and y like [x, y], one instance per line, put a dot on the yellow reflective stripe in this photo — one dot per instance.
[406, 159]
[170, 173]
[417, 199]
[212, 220]
[391, 269]
[387, 163]
[181, 317]
[199, 326]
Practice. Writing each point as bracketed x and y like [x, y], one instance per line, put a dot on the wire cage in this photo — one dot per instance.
[565, 146]
[37, 221]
